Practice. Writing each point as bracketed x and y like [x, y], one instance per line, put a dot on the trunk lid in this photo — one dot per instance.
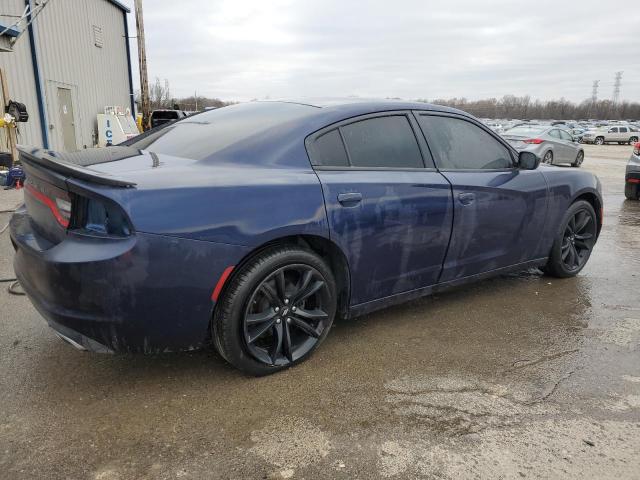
[48, 199]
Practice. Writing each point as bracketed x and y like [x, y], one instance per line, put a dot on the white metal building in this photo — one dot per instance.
[70, 63]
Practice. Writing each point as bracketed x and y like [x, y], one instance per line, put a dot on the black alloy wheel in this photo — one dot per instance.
[578, 240]
[286, 315]
[573, 246]
[275, 310]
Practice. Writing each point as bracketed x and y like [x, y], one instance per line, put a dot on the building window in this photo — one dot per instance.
[97, 36]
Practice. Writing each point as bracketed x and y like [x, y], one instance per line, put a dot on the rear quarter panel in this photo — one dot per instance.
[235, 204]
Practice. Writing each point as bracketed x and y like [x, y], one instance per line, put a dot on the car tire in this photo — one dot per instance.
[631, 191]
[633, 140]
[574, 242]
[599, 141]
[579, 159]
[264, 296]
[548, 157]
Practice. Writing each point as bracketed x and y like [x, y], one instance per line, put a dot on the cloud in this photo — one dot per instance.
[235, 49]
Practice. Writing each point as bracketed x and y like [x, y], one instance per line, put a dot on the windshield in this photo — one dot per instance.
[200, 136]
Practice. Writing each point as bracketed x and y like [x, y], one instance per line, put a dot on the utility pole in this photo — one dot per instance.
[142, 63]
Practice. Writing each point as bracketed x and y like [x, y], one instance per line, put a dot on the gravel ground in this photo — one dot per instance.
[522, 376]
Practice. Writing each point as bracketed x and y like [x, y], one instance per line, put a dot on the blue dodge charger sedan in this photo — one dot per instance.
[252, 227]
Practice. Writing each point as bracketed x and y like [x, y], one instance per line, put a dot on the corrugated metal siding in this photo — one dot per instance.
[97, 76]
[22, 86]
[69, 58]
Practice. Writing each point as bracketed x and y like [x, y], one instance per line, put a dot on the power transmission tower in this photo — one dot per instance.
[616, 87]
[142, 63]
[594, 91]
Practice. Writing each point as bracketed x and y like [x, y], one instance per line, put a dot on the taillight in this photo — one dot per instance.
[56, 200]
[535, 141]
[636, 149]
[99, 217]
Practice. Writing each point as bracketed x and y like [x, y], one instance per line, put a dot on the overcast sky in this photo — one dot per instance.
[239, 50]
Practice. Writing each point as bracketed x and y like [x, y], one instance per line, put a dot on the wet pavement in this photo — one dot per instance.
[522, 376]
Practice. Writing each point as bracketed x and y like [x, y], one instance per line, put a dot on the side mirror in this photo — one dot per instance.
[528, 160]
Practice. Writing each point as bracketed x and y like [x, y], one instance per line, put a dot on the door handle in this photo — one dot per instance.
[466, 198]
[349, 199]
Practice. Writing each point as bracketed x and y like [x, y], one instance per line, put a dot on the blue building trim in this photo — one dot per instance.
[42, 109]
[12, 32]
[126, 42]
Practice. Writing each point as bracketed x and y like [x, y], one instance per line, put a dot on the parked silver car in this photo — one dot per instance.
[632, 175]
[554, 145]
[619, 133]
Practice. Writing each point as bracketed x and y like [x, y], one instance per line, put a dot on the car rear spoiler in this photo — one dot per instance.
[62, 164]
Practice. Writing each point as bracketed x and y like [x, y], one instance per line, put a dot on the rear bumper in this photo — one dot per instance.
[146, 293]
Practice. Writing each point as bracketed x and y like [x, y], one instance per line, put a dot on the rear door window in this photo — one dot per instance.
[458, 144]
[328, 151]
[555, 133]
[565, 135]
[623, 130]
[382, 142]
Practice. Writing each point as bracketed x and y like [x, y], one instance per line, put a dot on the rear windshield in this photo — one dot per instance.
[200, 136]
[164, 114]
[526, 130]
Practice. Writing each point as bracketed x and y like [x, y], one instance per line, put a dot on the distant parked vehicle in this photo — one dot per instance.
[158, 117]
[554, 145]
[632, 175]
[578, 133]
[496, 127]
[621, 134]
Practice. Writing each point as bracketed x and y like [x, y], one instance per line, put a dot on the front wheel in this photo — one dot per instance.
[275, 311]
[574, 242]
[599, 141]
[579, 159]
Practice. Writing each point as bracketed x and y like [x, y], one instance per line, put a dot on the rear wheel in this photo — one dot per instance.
[579, 159]
[633, 140]
[548, 157]
[599, 141]
[276, 311]
[631, 191]
[574, 242]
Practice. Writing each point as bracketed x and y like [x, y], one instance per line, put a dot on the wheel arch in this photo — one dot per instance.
[595, 202]
[322, 246]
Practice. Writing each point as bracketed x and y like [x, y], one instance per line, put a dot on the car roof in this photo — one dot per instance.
[361, 104]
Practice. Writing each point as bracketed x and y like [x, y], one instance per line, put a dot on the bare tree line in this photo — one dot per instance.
[160, 98]
[523, 108]
[509, 106]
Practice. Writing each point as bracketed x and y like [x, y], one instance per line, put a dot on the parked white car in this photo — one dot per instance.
[619, 133]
